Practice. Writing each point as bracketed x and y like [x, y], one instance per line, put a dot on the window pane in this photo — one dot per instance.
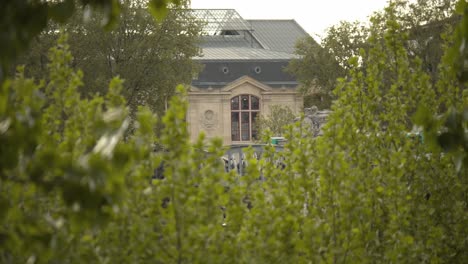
[245, 126]
[235, 103]
[245, 102]
[255, 103]
[254, 126]
[235, 135]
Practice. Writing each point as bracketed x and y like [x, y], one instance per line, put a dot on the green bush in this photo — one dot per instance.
[74, 188]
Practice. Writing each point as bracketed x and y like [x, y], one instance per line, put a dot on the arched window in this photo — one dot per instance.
[245, 110]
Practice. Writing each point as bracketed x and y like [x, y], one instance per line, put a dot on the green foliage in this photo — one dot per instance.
[458, 54]
[448, 130]
[384, 198]
[425, 22]
[275, 122]
[152, 57]
[345, 40]
[73, 190]
[58, 152]
[319, 66]
[23, 20]
[322, 100]
[317, 69]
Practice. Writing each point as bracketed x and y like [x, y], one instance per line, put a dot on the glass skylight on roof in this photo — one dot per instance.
[221, 21]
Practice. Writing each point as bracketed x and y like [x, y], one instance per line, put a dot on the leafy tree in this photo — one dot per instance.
[275, 122]
[316, 70]
[426, 22]
[319, 66]
[151, 56]
[58, 151]
[72, 190]
[372, 194]
[449, 129]
[345, 41]
[23, 20]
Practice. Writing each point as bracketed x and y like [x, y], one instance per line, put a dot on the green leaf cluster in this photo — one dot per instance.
[23, 20]
[152, 57]
[275, 122]
[75, 188]
[427, 24]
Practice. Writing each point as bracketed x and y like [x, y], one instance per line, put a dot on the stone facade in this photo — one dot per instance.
[243, 74]
[210, 108]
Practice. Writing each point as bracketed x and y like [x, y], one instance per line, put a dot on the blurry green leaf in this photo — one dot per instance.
[61, 11]
[158, 8]
[4, 207]
[448, 141]
[360, 193]
[409, 240]
[423, 116]
[112, 12]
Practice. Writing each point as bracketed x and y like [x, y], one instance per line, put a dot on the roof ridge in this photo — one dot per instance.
[250, 48]
[270, 19]
[278, 34]
[242, 53]
[212, 9]
[291, 20]
[252, 34]
[299, 26]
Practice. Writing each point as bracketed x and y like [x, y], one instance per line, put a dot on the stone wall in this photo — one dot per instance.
[209, 108]
[316, 119]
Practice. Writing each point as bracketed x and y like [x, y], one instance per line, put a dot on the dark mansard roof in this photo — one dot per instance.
[232, 47]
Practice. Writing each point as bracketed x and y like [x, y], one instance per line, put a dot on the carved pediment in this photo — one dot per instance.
[246, 80]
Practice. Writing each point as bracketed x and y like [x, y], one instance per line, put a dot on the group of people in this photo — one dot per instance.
[232, 164]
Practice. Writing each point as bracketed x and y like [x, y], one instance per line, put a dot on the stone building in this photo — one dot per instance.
[243, 74]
